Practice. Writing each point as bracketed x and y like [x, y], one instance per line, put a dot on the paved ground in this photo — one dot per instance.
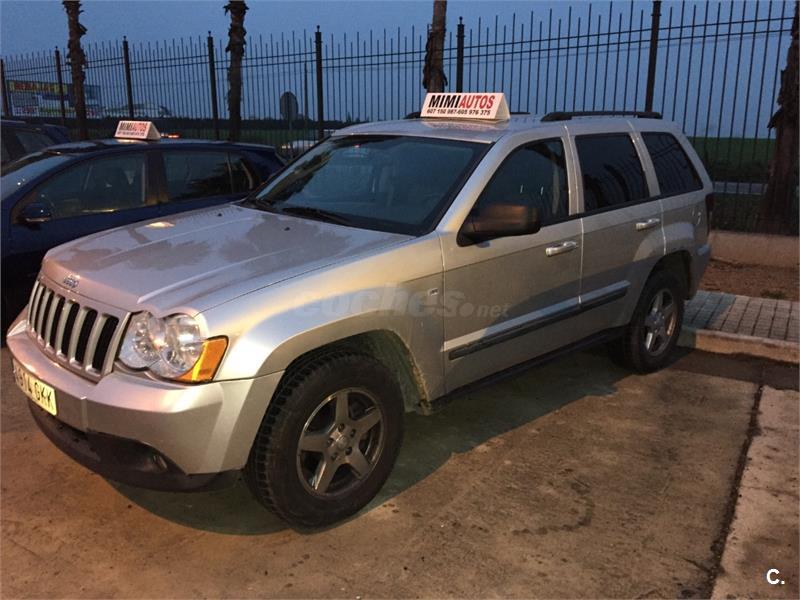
[763, 534]
[575, 479]
[741, 315]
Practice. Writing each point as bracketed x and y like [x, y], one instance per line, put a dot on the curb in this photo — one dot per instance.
[721, 342]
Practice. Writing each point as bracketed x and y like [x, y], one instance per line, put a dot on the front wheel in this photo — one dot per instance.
[653, 331]
[328, 441]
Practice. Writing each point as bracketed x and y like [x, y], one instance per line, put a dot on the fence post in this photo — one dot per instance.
[60, 81]
[651, 61]
[460, 55]
[212, 70]
[320, 107]
[6, 109]
[126, 61]
[305, 94]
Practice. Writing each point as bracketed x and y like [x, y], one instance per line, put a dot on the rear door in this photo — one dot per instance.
[682, 193]
[622, 227]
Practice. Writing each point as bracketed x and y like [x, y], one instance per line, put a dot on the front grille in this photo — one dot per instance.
[83, 338]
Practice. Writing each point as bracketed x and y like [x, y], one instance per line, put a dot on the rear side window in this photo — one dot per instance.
[197, 174]
[534, 175]
[33, 141]
[611, 171]
[675, 172]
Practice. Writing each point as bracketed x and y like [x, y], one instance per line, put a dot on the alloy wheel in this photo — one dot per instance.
[341, 442]
[659, 322]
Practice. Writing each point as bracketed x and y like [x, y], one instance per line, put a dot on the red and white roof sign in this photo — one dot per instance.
[137, 130]
[466, 105]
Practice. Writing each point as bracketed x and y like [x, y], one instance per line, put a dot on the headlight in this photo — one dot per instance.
[171, 347]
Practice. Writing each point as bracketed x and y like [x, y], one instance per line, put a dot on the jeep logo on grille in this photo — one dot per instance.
[71, 281]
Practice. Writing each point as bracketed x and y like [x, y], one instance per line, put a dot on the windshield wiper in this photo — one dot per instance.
[315, 213]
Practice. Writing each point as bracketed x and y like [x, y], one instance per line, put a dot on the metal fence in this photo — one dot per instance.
[713, 67]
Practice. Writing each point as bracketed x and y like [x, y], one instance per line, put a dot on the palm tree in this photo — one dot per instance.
[236, 41]
[433, 78]
[77, 61]
[783, 169]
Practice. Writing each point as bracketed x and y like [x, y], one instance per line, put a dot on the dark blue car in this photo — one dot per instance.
[72, 190]
[18, 138]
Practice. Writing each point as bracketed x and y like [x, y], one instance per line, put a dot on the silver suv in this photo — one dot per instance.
[388, 269]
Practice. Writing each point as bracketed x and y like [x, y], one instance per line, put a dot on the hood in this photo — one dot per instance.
[193, 261]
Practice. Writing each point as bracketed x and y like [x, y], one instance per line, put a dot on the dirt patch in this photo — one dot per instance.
[752, 280]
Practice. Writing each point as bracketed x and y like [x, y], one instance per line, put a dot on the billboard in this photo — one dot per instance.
[42, 99]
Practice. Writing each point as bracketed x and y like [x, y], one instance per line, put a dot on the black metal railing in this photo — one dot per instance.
[713, 67]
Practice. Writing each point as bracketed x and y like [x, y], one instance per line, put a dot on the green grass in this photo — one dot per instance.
[735, 159]
[740, 212]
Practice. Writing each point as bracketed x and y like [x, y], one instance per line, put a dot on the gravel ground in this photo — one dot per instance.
[757, 281]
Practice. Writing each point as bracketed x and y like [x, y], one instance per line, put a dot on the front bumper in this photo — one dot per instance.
[123, 460]
[147, 432]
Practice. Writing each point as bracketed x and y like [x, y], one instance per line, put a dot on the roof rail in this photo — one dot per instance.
[566, 116]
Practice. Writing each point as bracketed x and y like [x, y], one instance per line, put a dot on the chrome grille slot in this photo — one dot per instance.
[103, 342]
[82, 338]
[66, 335]
[55, 321]
[44, 308]
[83, 335]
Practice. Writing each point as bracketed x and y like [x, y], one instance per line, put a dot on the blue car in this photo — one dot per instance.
[18, 138]
[71, 190]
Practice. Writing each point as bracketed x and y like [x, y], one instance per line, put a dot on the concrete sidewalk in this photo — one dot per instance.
[761, 553]
[730, 324]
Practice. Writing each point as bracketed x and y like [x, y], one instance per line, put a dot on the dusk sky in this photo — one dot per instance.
[29, 26]
[716, 66]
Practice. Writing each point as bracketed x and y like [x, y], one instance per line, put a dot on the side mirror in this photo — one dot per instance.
[35, 213]
[499, 220]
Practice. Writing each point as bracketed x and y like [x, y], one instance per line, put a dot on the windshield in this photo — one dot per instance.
[398, 184]
[20, 172]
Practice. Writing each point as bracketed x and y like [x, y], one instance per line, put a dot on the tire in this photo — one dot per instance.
[647, 341]
[335, 471]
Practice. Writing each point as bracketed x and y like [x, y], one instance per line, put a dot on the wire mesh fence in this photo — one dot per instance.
[715, 71]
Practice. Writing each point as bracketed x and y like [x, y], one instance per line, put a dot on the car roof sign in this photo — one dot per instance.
[467, 105]
[137, 130]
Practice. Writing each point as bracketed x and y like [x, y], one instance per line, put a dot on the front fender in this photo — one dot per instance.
[270, 329]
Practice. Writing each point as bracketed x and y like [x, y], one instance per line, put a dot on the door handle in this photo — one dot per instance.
[648, 224]
[561, 248]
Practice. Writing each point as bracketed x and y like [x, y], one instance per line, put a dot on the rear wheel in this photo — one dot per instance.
[653, 331]
[328, 441]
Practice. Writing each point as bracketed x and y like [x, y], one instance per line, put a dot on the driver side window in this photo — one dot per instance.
[532, 175]
[95, 186]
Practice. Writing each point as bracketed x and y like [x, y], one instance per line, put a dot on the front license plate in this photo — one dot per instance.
[35, 389]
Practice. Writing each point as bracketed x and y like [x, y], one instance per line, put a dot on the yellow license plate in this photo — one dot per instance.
[38, 391]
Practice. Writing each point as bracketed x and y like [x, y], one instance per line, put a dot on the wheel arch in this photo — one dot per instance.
[388, 348]
[679, 264]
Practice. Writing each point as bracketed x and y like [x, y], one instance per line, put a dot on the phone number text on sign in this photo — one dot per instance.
[465, 112]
